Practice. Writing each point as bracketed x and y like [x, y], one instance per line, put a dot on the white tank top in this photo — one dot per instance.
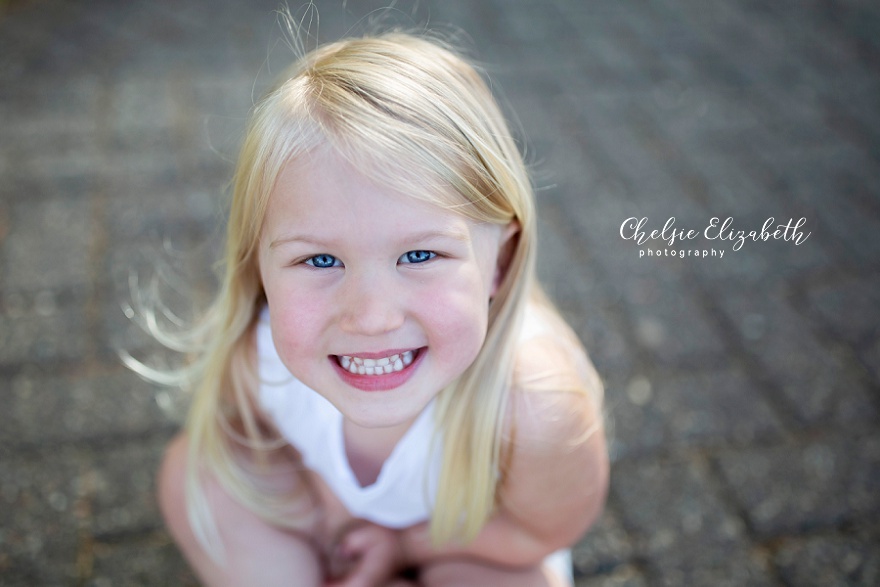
[406, 488]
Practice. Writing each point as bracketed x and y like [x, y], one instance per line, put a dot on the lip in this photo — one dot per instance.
[384, 382]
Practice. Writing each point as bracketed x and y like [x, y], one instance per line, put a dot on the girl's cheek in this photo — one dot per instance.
[295, 317]
[456, 313]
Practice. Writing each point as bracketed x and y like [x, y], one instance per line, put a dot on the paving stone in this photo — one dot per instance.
[221, 103]
[169, 241]
[48, 243]
[164, 206]
[637, 278]
[171, 277]
[52, 117]
[43, 326]
[796, 487]
[56, 501]
[690, 409]
[124, 331]
[796, 52]
[849, 222]
[687, 534]
[669, 507]
[871, 358]
[123, 497]
[42, 515]
[661, 196]
[606, 198]
[674, 328]
[713, 408]
[830, 560]
[604, 548]
[582, 295]
[79, 408]
[18, 573]
[141, 105]
[626, 576]
[783, 127]
[845, 304]
[818, 383]
[153, 560]
[713, 566]
[666, 318]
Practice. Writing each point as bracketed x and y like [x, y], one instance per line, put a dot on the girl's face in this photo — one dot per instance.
[377, 300]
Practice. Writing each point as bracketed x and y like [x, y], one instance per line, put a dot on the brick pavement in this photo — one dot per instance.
[743, 390]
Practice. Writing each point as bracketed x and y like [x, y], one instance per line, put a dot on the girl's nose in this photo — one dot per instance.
[370, 306]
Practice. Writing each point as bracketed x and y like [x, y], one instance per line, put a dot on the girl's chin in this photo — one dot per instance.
[381, 419]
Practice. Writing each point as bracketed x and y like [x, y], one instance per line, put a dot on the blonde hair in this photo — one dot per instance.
[407, 111]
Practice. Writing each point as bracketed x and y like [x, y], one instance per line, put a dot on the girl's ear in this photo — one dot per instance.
[508, 242]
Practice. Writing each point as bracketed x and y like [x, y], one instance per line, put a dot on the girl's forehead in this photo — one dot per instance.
[324, 192]
[324, 180]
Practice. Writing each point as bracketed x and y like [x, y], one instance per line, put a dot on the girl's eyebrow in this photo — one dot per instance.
[284, 240]
[455, 234]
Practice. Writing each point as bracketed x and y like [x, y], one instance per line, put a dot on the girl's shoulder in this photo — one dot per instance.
[554, 425]
[556, 394]
[550, 358]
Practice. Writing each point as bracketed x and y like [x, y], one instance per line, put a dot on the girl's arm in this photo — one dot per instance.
[554, 490]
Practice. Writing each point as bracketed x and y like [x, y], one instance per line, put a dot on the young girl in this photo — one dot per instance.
[382, 396]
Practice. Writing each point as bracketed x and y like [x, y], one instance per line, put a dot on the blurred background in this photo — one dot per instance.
[742, 389]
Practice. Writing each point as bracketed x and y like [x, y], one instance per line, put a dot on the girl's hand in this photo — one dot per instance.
[371, 554]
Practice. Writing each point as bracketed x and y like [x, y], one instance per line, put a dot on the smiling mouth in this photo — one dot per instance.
[382, 366]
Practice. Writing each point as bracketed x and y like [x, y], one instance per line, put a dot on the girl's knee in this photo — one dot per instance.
[460, 573]
[253, 551]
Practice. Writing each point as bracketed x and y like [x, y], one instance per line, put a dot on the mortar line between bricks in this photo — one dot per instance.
[667, 155]
[564, 223]
[764, 172]
[59, 368]
[776, 399]
[692, 183]
[638, 559]
[769, 104]
[771, 543]
[84, 508]
[144, 533]
[850, 352]
[98, 241]
[757, 167]
[683, 452]
[795, 429]
[769, 110]
[838, 29]
[715, 478]
[101, 442]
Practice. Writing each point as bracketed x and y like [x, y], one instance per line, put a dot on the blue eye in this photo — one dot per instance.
[417, 257]
[323, 261]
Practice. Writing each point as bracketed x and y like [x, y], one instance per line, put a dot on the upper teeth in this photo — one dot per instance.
[381, 366]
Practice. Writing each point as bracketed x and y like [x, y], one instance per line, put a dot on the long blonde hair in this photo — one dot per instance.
[407, 111]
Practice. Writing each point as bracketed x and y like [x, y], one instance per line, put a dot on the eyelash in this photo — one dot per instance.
[404, 258]
[430, 255]
[311, 261]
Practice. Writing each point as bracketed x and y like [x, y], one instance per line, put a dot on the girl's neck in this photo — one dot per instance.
[367, 449]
